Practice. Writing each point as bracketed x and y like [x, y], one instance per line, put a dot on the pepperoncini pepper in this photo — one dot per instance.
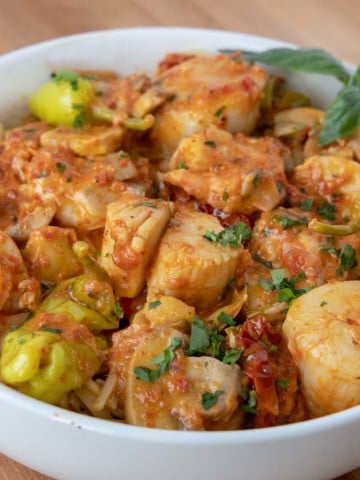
[345, 229]
[49, 356]
[65, 100]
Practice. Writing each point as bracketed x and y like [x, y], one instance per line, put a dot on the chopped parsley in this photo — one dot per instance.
[58, 331]
[209, 399]
[182, 166]
[323, 303]
[210, 143]
[288, 222]
[203, 341]
[326, 210]
[306, 204]
[250, 405]
[257, 258]
[154, 304]
[162, 361]
[118, 310]
[225, 196]
[284, 287]
[122, 154]
[149, 204]
[281, 383]
[61, 167]
[232, 356]
[219, 111]
[347, 259]
[80, 118]
[233, 235]
[225, 318]
[69, 77]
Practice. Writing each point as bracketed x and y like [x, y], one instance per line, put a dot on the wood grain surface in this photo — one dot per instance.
[329, 24]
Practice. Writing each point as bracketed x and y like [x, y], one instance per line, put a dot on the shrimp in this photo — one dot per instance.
[322, 329]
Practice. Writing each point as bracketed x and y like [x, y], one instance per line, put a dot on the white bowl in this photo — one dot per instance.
[67, 445]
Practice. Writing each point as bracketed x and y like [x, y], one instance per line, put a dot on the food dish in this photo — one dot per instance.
[201, 40]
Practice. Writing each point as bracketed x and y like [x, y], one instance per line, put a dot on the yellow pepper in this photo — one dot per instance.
[44, 365]
[88, 299]
[65, 100]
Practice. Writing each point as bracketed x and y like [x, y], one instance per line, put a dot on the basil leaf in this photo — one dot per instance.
[310, 60]
[343, 115]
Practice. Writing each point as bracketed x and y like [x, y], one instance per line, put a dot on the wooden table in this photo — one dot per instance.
[328, 24]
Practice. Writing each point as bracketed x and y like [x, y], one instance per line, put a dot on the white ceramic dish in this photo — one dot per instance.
[70, 446]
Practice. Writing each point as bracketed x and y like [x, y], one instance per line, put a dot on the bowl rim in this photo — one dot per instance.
[118, 429]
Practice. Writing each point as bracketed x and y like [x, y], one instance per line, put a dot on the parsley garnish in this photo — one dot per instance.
[232, 356]
[203, 341]
[149, 204]
[51, 330]
[347, 259]
[326, 210]
[118, 310]
[67, 76]
[209, 399]
[306, 204]
[284, 287]
[219, 111]
[80, 118]
[210, 143]
[61, 167]
[182, 166]
[257, 258]
[225, 318]
[233, 235]
[288, 222]
[323, 303]
[154, 304]
[281, 383]
[250, 406]
[225, 196]
[162, 361]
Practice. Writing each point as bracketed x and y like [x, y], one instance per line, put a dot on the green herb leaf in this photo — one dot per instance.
[210, 143]
[232, 356]
[51, 330]
[182, 166]
[162, 361]
[281, 383]
[118, 311]
[233, 235]
[326, 210]
[343, 115]
[225, 196]
[309, 60]
[347, 259]
[306, 204]
[250, 406]
[154, 304]
[225, 318]
[257, 258]
[288, 222]
[149, 204]
[219, 111]
[285, 287]
[67, 76]
[80, 118]
[355, 80]
[199, 337]
[61, 167]
[209, 399]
